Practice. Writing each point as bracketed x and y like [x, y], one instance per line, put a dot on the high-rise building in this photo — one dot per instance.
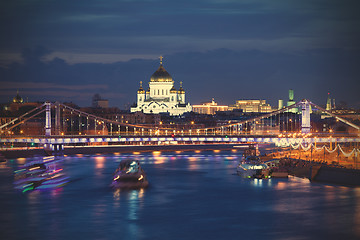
[161, 96]
[328, 103]
[291, 101]
[280, 104]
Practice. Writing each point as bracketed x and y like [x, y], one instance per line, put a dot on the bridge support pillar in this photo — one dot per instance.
[57, 119]
[305, 119]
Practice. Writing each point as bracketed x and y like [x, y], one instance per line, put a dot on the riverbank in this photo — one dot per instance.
[321, 171]
[72, 150]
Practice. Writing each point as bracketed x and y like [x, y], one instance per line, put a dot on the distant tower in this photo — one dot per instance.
[291, 101]
[291, 95]
[328, 103]
[280, 104]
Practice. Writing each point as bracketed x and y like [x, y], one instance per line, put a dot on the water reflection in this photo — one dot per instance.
[293, 182]
[134, 201]
[260, 182]
[189, 190]
[357, 213]
[100, 160]
[21, 161]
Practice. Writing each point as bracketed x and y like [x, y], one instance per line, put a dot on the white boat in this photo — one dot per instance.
[253, 167]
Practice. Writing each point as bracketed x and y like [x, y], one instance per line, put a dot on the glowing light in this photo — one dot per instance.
[33, 168]
[117, 177]
[216, 151]
[141, 177]
[136, 153]
[27, 189]
[156, 152]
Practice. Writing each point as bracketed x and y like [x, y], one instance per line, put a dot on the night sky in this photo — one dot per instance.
[223, 49]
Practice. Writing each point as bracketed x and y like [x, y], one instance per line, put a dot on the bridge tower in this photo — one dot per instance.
[48, 119]
[305, 116]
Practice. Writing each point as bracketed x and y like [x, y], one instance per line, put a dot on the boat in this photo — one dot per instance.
[253, 167]
[130, 175]
[43, 173]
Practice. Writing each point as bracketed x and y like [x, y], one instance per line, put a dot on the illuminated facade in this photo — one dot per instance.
[161, 96]
[209, 108]
[257, 106]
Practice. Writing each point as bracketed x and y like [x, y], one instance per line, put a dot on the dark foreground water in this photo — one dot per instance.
[192, 196]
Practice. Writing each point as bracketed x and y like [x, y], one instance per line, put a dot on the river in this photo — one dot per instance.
[192, 195]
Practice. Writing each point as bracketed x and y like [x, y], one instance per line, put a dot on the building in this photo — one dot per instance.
[280, 104]
[209, 108]
[98, 102]
[161, 96]
[250, 106]
[291, 101]
[330, 103]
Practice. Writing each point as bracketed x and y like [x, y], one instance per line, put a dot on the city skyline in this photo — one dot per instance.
[223, 50]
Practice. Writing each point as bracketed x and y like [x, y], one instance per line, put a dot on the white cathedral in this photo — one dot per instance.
[161, 96]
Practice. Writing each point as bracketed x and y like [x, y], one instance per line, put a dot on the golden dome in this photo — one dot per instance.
[17, 98]
[161, 75]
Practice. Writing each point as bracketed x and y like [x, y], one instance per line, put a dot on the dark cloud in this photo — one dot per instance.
[31, 55]
[224, 74]
[223, 49]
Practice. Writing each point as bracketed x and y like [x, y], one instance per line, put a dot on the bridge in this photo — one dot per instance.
[67, 126]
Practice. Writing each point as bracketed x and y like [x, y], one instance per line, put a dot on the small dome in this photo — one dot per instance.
[161, 75]
[141, 90]
[181, 90]
[173, 90]
[18, 99]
